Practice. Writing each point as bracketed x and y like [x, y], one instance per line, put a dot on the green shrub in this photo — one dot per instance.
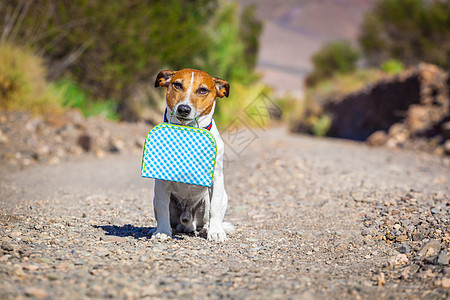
[392, 66]
[334, 58]
[409, 31]
[322, 125]
[72, 96]
[22, 82]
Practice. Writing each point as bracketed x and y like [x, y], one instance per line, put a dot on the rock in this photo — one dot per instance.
[378, 138]
[84, 141]
[357, 196]
[398, 260]
[3, 138]
[433, 247]
[417, 118]
[443, 258]
[401, 238]
[445, 282]
[64, 266]
[102, 251]
[447, 147]
[31, 267]
[381, 280]
[18, 271]
[405, 249]
[112, 238]
[116, 145]
[36, 292]
[445, 129]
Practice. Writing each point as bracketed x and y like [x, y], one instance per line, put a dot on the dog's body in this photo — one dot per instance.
[190, 101]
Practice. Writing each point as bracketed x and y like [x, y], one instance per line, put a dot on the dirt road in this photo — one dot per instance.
[315, 218]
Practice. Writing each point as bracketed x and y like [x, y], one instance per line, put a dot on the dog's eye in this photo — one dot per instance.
[202, 91]
[178, 85]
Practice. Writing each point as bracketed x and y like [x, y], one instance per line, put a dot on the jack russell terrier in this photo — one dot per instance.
[190, 101]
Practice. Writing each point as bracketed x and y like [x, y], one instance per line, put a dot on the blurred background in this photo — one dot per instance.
[368, 70]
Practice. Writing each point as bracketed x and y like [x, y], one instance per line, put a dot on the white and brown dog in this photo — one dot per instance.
[190, 101]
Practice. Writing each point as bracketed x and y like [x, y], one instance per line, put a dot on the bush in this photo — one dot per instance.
[72, 96]
[409, 31]
[22, 82]
[392, 66]
[334, 58]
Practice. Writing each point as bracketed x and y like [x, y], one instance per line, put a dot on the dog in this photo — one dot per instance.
[191, 100]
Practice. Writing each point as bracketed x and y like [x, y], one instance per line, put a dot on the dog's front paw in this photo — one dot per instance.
[161, 235]
[216, 233]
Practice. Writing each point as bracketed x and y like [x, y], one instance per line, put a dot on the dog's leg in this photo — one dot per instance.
[219, 202]
[161, 202]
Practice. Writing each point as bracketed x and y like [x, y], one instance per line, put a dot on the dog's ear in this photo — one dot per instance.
[164, 77]
[222, 87]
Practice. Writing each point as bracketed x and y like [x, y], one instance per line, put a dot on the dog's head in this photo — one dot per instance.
[191, 93]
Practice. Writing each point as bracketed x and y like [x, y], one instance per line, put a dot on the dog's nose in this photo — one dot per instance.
[183, 110]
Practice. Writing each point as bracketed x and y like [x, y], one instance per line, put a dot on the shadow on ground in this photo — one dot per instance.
[133, 231]
[126, 230]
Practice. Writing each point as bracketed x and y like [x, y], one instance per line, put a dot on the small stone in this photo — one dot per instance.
[397, 226]
[435, 210]
[234, 268]
[4, 257]
[417, 237]
[84, 141]
[433, 247]
[443, 258]
[401, 238]
[357, 196]
[112, 238]
[18, 271]
[405, 249]
[8, 247]
[378, 138]
[3, 139]
[398, 260]
[102, 251]
[445, 282]
[31, 267]
[381, 280]
[62, 266]
[36, 292]
[447, 147]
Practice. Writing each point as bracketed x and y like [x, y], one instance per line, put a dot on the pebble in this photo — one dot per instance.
[405, 249]
[445, 282]
[398, 260]
[433, 247]
[443, 258]
[36, 292]
[401, 238]
[30, 267]
[381, 279]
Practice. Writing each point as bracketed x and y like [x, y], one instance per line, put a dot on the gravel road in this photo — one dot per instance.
[315, 218]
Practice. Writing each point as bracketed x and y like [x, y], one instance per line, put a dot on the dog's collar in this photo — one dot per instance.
[167, 121]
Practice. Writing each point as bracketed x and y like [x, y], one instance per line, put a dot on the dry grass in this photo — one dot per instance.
[23, 84]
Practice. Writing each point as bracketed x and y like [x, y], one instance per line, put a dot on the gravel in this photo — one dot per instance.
[314, 218]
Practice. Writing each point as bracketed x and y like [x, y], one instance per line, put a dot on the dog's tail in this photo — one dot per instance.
[228, 227]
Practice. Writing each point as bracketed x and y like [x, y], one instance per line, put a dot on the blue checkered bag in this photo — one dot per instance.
[179, 153]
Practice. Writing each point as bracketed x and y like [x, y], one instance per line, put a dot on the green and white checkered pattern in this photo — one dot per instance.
[179, 153]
